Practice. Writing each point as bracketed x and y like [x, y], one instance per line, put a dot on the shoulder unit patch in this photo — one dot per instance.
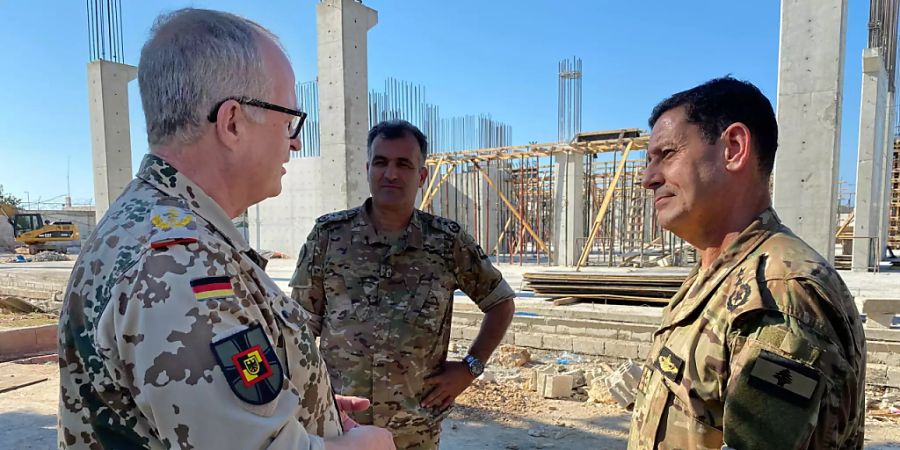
[784, 378]
[172, 223]
[250, 365]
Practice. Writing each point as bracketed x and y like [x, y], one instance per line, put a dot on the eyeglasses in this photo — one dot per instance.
[293, 128]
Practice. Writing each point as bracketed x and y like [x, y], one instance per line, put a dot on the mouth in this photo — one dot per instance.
[661, 198]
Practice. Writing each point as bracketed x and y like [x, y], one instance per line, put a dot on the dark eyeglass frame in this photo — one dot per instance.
[213, 115]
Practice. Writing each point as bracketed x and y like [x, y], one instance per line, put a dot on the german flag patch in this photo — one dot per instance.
[212, 287]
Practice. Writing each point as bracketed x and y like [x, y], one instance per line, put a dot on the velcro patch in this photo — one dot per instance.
[784, 378]
[669, 364]
[250, 365]
[172, 224]
[212, 287]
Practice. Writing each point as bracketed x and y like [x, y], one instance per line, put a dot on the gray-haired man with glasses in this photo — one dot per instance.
[172, 334]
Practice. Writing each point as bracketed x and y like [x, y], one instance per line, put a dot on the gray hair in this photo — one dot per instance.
[194, 59]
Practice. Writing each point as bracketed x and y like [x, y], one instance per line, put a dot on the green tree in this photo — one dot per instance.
[9, 199]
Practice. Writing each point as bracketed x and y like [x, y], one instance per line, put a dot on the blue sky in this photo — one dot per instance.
[497, 57]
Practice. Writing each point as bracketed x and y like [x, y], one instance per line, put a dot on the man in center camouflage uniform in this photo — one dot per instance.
[378, 282]
[171, 333]
[762, 347]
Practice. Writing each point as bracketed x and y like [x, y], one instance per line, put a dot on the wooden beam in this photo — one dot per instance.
[595, 228]
[426, 197]
[844, 226]
[512, 209]
[434, 176]
[502, 235]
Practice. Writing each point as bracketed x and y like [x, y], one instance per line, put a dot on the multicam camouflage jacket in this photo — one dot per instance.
[172, 335]
[763, 350]
[383, 306]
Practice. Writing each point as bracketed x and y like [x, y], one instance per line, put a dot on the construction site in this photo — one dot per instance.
[567, 222]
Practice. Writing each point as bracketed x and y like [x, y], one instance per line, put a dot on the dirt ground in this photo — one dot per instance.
[500, 415]
[10, 319]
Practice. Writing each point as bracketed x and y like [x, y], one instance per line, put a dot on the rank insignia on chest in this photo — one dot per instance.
[250, 365]
[784, 378]
[669, 364]
[212, 287]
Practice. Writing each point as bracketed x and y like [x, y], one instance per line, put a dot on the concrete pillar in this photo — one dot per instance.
[886, 183]
[343, 100]
[870, 165]
[810, 83]
[568, 216]
[110, 135]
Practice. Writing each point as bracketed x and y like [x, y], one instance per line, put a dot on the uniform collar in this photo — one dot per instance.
[692, 295]
[163, 176]
[364, 228]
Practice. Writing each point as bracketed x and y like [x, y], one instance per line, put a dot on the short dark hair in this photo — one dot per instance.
[397, 129]
[720, 102]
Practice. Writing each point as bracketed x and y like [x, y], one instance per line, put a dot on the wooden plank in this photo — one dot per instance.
[565, 301]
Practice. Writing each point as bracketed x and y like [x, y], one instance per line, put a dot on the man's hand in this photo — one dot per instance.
[351, 404]
[447, 385]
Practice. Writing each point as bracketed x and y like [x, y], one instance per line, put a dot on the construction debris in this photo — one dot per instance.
[623, 383]
[49, 256]
[641, 289]
[511, 356]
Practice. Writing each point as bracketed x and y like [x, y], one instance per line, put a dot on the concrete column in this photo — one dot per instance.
[810, 83]
[887, 164]
[870, 165]
[568, 213]
[343, 100]
[489, 208]
[110, 135]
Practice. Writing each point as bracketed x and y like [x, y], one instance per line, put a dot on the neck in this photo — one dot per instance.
[390, 219]
[718, 236]
[206, 170]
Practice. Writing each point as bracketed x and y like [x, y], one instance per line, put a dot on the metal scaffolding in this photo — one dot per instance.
[504, 197]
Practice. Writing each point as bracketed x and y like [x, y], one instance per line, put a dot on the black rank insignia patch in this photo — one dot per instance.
[669, 364]
[250, 365]
[784, 378]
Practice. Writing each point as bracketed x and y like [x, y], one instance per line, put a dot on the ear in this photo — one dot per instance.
[737, 141]
[230, 123]
[423, 175]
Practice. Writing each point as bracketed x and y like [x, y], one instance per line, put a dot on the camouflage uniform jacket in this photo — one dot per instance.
[764, 350]
[383, 309]
[172, 335]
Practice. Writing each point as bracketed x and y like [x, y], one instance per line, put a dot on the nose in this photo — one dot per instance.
[391, 172]
[652, 178]
[296, 145]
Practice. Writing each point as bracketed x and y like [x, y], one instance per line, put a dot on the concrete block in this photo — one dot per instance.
[555, 386]
[553, 342]
[550, 329]
[641, 336]
[606, 333]
[456, 332]
[565, 329]
[893, 376]
[470, 333]
[529, 340]
[622, 349]
[22, 341]
[588, 346]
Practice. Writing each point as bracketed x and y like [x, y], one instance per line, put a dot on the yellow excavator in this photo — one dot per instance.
[36, 234]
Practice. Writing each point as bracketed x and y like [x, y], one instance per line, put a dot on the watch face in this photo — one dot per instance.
[475, 366]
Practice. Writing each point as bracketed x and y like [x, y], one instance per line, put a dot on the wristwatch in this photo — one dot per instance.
[476, 367]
